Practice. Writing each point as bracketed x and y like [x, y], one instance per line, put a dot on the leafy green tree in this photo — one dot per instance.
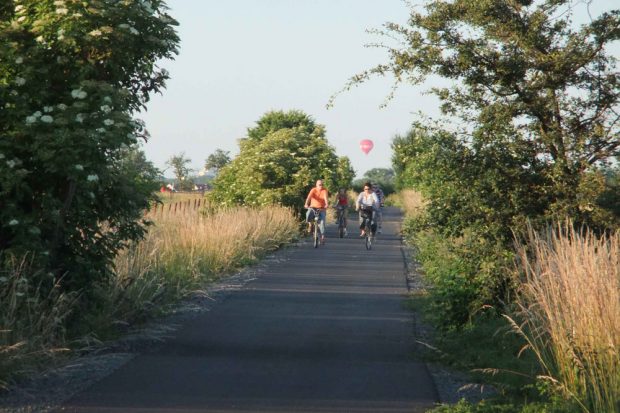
[384, 177]
[529, 117]
[217, 160]
[275, 120]
[524, 75]
[279, 163]
[180, 167]
[72, 76]
[139, 172]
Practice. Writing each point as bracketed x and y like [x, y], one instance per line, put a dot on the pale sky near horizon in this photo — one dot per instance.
[242, 58]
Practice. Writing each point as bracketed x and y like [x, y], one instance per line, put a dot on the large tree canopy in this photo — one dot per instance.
[72, 76]
[524, 77]
[279, 162]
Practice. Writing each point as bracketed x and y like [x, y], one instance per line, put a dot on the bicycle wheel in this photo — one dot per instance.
[316, 234]
[341, 228]
[368, 241]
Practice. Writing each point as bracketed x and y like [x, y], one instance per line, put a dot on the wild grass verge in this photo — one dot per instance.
[180, 254]
[409, 200]
[569, 305]
[32, 318]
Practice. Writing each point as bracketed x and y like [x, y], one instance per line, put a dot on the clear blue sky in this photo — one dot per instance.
[242, 58]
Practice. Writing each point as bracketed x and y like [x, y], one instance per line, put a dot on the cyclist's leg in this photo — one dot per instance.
[322, 222]
[362, 222]
[309, 218]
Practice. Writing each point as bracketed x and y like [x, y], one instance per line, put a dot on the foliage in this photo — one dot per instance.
[466, 274]
[217, 160]
[536, 99]
[72, 74]
[279, 162]
[503, 407]
[275, 120]
[483, 187]
[523, 76]
[179, 164]
[384, 177]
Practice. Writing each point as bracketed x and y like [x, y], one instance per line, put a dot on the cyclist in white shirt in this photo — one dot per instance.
[367, 204]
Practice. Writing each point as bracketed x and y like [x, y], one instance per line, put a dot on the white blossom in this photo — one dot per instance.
[13, 222]
[19, 60]
[100, 130]
[107, 99]
[40, 39]
[62, 10]
[11, 164]
[48, 109]
[30, 120]
[133, 30]
[92, 178]
[1, 156]
[106, 109]
[20, 19]
[34, 230]
[108, 122]
[59, 3]
[20, 81]
[123, 26]
[19, 8]
[14, 92]
[79, 117]
[95, 33]
[37, 114]
[79, 167]
[47, 119]
[78, 94]
[62, 106]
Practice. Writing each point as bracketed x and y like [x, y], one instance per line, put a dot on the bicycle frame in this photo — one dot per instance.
[315, 224]
[368, 237]
[340, 220]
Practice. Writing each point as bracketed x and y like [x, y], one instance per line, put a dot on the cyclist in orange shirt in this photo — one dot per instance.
[317, 200]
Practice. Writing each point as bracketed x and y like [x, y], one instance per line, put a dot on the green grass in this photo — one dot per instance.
[490, 353]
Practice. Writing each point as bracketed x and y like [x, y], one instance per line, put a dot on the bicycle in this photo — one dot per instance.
[315, 230]
[367, 213]
[342, 229]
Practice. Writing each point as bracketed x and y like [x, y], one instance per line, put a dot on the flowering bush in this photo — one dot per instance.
[279, 162]
[72, 76]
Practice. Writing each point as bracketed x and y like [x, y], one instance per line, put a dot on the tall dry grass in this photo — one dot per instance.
[183, 251]
[409, 200]
[32, 317]
[180, 253]
[570, 308]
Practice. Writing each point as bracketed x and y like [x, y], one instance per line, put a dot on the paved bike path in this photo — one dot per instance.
[323, 331]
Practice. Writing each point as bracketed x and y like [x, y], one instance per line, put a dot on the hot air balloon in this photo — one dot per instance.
[366, 145]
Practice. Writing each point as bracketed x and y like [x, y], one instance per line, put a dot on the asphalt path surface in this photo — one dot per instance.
[323, 331]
